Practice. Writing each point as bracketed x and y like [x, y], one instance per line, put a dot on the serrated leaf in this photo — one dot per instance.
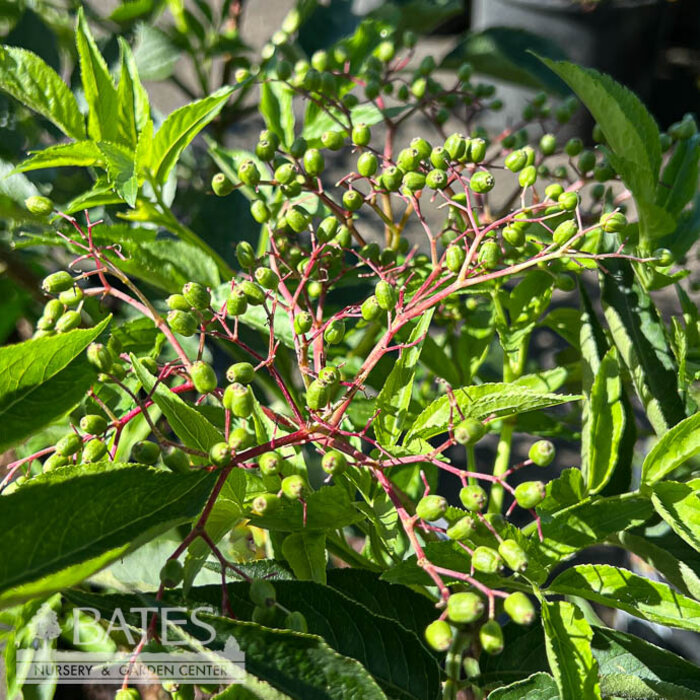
[154, 53]
[679, 505]
[483, 401]
[120, 166]
[539, 686]
[394, 398]
[36, 85]
[568, 642]
[42, 379]
[674, 448]
[187, 423]
[65, 528]
[641, 597]
[277, 110]
[306, 554]
[98, 86]
[132, 98]
[679, 180]
[79, 153]
[178, 130]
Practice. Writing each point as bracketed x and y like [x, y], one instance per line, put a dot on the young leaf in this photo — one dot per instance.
[604, 425]
[132, 99]
[641, 597]
[79, 153]
[674, 448]
[120, 170]
[36, 85]
[187, 423]
[42, 379]
[306, 554]
[178, 130]
[568, 641]
[277, 110]
[679, 180]
[98, 86]
[679, 505]
[395, 396]
[67, 529]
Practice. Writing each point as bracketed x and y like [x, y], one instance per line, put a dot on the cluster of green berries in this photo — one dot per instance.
[62, 313]
[269, 613]
[187, 309]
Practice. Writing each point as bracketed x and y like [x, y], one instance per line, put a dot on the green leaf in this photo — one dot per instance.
[277, 110]
[132, 98]
[306, 554]
[154, 53]
[32, 82]
[679, 505]
[604, 425]
[394, 398]
[98, 86]
[679, 180]
[635, 669]
[42, 379]
[483, 401]
[641, 340]
[539, 686]
[179, 128]
[641, 597]
[79, 153]
[187, 423]
[568, 642]
[120, 166]
[66, 528]
[674, 448]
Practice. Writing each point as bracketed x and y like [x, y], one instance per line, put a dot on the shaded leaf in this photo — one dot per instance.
[673, 449]
[679, 505]
[306, 554]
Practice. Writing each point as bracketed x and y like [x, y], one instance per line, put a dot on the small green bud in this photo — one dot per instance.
[172, 573]
[530, 494]
[334, 463]
[491, 637]
[38, 205]
[240, 439]
[237, 302]
[68, 321]
[100, 357]
[438, 634]
[568, 200]
[335, 331]
[203, 377]
[481, 182]
[197, 296]
[94, 450]
[469, 431]
[431, 507]
[367, 164]
[542, 453]
[145, 452]
[513, 555]
[462, 530]
[464, 608]
[182, 322]
[303, 322]
[318, 395]
[238, 399]
[221, 185]
[353, 200]
[385, 295]
[57, 282]
[520, 608]
[473, 497]
[313, 162]
[240, 372]
[565, 232]
[613, 222]
[293, 487]
[270, 464]
[487, 560]
[296, 622]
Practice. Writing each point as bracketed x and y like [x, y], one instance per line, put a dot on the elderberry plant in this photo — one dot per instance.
[338, 434]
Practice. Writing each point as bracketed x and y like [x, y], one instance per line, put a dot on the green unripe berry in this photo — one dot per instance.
[427, 65]
[431, 507]
[385, 295]
[334, 463]
[320, 60]
[487, 560]
[419, 87]
[298, 218]
[367, 164]
[303, 322]
[455, 257]
[245, 254]
[530, 494]
[203, 377]
[177, 301]
[145, 452]
[221, 185]
[439, 158]
[586, 161]
[265, 503]
[513, 555]
[553, 191]
[196, 295]
[573, 147]
[361, 135]
[370, 309]
[240, 372]
[296, 622]
[469, 431]
[264, 616]
[172, 573]
[327, 229]
[568, 200]
[464, 608]
[663, 257]
[298, 147]
[456, 146]
[413, 182]
[514, 235]
[329, 376]
[520, 608]
[127, 694]
[476, 150]
[314, 289]
[352, 200]
[285, 173]
[318, 395]
[248, 173]
[293, 487]
[542, 453]
[93, 424]
[438, 635]
[335, 331]
[333, 140]
[528, 176]
[491, 637]
[481, 182]
[462, 530]
[313, 162]
[57, 282]
[253, 293]
[473, 497]
[237, 302]
[564, 283]
[176, 460]
[490, 255]
[238, 399]
[516, 160]
[267, 278]
[565, 232]
[68, 321]
[391, 178]
[548, 144]
[94, 450]
[436, 179]
[71, 297]
[408, 159]
[100, 357]
[68, 445]
[240, 439]
[52, 311]
[422, 147]
[54, 462]
[38, 205]
[613, 222]
[262, 592]
[270, 464]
